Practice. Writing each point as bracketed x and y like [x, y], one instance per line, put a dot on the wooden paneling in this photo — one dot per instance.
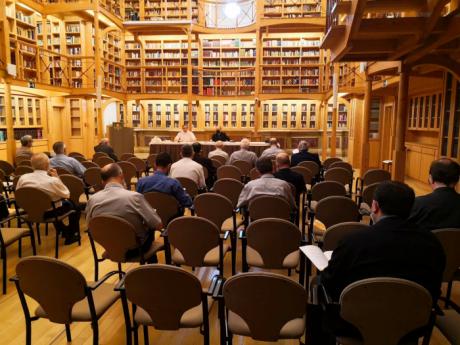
[418, 160]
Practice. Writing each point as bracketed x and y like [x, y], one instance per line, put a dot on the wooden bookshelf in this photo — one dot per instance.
[133, 62]
[291, 9]
[342, 116]
[450, 126]
[112, 58]
[75, 108]
[290, 114]
[231, 114]
[161, 10]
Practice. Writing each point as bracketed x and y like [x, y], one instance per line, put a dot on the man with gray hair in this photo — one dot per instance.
[26, 147]
[218, 151]
[273, 150]
[303, 154]
[61, 160]
[104, 146]
[243, 154]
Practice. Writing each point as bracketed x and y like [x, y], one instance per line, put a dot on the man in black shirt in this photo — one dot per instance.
[205, 162]
[219, 135]
[303, 155]
[285, 173]
[104, 146]
[441, 208]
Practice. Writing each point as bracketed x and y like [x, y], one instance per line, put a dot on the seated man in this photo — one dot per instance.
[219, 135]
[267, 184]
[392, 247]
[218, 151]
[26, 147]
[185, 136]
[273, 150]
[104, 146]
[441, 208]
[303, 155]
[47, 180]
[285, 173]
[205, 162]
[61, 160]
[116, 200]
[243, 154]
[186, 167]
[160, 182]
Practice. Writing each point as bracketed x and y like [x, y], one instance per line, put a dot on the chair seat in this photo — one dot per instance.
[154, 248]
[190, 319]
[449, 326]
[211, 258]
[228, 223]
[254, 259]
[364, 209]
[104, 296]
[291, 330]
[11, 235]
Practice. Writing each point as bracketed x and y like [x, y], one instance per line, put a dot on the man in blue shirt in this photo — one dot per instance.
[161, 182]
[61, 160]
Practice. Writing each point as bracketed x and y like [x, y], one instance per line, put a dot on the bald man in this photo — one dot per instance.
[243, 154]
[219, 151]
[273, 150]
[284, 172]
[104, 146]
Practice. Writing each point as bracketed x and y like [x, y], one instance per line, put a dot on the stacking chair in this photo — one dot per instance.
[219, 210]
[271, 243]
[76, 187]
[221, 159]
[333, 210]
[20, 159]
[335, 233]
[312, 166]
[7, 169]
[126, 156]
[244, 167]
[370, 177]
[269, 206]
[229, 188]
[117, 236]
[99, 154]
[25, 162]
[308, 178]
[165, 297]
[216, 163]
[102, 161]
[254, 174]
[81, 159]
[166, 205]
[141, 166]
[329, 161]
[229, 171]
[129, 172]
[23, 169]
[197, 242]
[386, 310]
[365, 199]
[62, 171]
[264, 306]
[35, 203]
[63, 294]
[340, 175]
[93, 180]
[189, 185]
[151, 162]
[75, 154]
[89, 164]
[341, 164]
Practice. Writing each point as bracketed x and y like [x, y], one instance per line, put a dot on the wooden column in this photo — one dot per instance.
[10, 142]
[399, 153]
[189, 72]
[257, 81]
[323, 114]
[335, 102]
[99, 74]
[364, 166]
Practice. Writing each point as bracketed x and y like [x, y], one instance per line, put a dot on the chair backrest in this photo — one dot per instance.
[450, 241]
[139, 164]
[216, 163]
[229, 171]
[54, 284]
[375, 175]
[34, 201]
[129, 172]
[336, 209]
[102, 161]
[76, 154]
[244, 166]
[384, 310]
[166, 205]
[126, 156]
[7, 168]
[306, 173]
[189, 185]
[75, 185]
[62, 171]
[327, 163]
[89, 164]
[214, 207]
[221, 159]
[23, 169]
[269, 206]
[193, 237]
[151, 160]
[15, 181]
[205, 172]
[368, 193]
[344, 165]
[20, 159]
[165, 292]
[81, 159]
[92, 177]
[337, 232]
[115, 235]
[254, 174]
[310, 165]
[265, 301]
[99, 154]
[273, 239]
[230, 188]
[327, 188]
[24, 162]
[340, 175]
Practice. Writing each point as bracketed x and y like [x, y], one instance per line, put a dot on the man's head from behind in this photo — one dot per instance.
[264, 166]
[26, 141]
[196, 147]
[273, 142]
[104, 142]
[40, 161]
[59, 148]
[186, 151]
[163, 162]
[392, 198]
[444, 172]
[303, 145]
[219, 145]
[245, 144]
[282, 160]
[112, 173]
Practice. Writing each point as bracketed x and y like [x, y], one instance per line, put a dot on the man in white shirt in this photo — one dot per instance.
[267, 184]
[186, 167]
[185, 136]
[273, 150]
[47, 180]
[218, 151]
[243, 154]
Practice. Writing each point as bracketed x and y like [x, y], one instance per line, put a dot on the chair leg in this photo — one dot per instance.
[28, 331]
[234, 244]
[146, 335]
[20, 247]
[120, 275]
[56, 249]
[67, 333]
[32, 243]
[3, 255]
[38, 233]
[95, 327]
[448, 294]
[46, 229]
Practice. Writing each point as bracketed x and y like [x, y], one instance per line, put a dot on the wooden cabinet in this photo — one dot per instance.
[418, 160]
[425, 112]
[290, 114]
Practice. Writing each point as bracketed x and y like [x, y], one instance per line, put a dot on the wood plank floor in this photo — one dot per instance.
[112, 330]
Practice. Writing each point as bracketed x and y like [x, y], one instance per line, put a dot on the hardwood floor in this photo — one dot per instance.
[112, 329]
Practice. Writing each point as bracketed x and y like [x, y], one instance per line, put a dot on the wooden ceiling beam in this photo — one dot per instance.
[394, 5]
[373, 46]
[393, 26]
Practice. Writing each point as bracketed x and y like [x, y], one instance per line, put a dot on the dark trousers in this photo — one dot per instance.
[74, 218]
[132, 253]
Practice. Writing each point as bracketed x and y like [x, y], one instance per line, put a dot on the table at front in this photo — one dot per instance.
[174, 148]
